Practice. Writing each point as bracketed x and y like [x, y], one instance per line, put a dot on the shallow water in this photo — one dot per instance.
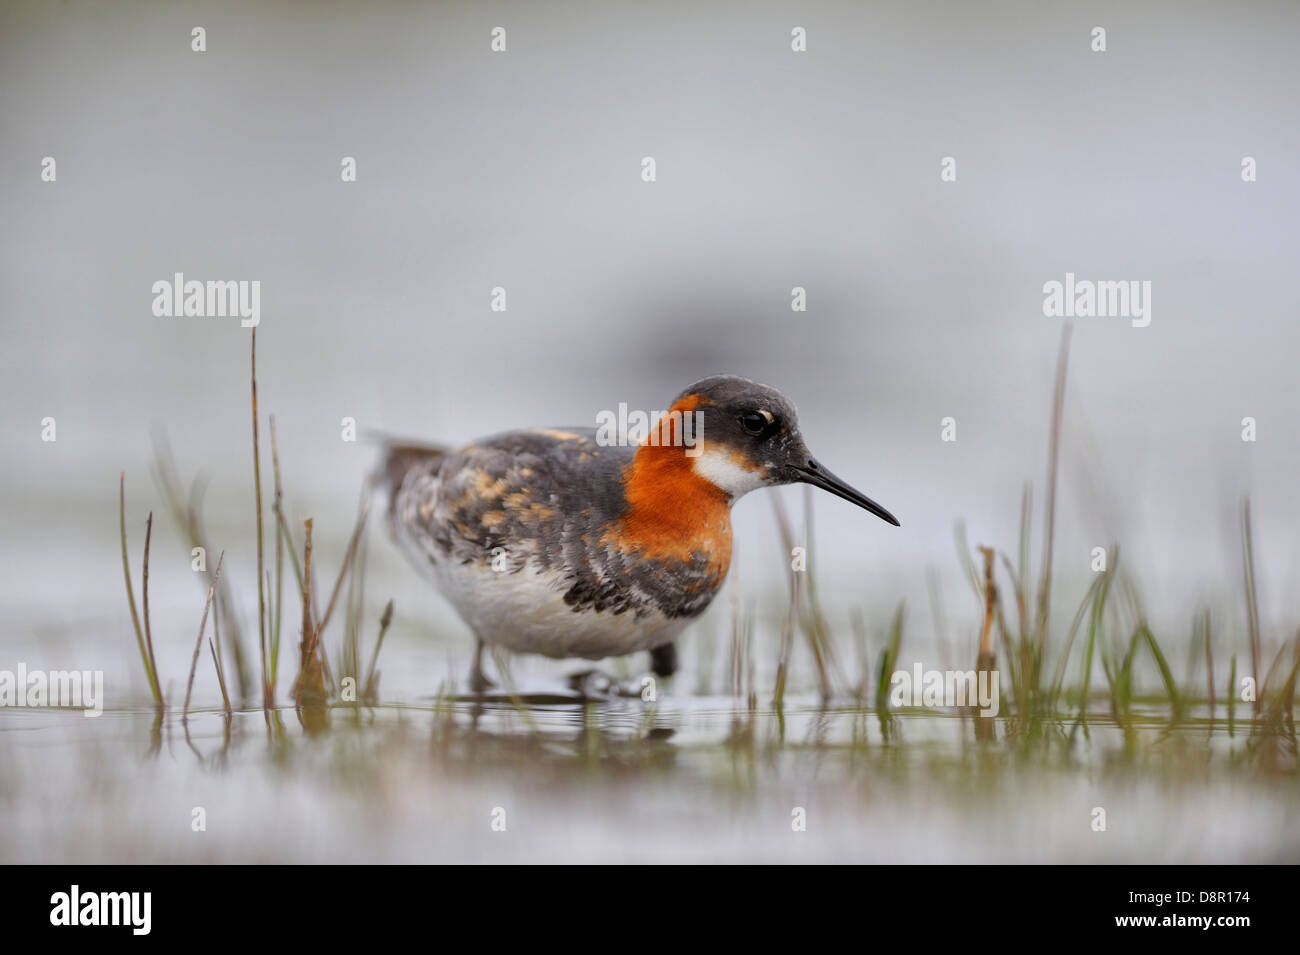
[688, 779]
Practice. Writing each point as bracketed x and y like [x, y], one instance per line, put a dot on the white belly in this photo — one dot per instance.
[525, 612]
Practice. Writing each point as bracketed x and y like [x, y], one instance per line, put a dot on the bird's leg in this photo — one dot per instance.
[663, 660]
[596, 684]
[593, 684]
[478, 681]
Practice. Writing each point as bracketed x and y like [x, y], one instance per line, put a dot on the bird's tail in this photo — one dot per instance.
[396, 459]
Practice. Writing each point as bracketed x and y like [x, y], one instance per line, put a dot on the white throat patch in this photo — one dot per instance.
[717, 467]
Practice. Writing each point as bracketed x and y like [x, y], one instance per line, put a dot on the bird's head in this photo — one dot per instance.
[741, 435]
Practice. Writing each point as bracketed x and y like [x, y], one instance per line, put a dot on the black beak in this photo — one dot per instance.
[816, 475]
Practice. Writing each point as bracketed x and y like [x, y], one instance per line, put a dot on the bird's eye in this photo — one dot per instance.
[754, 421]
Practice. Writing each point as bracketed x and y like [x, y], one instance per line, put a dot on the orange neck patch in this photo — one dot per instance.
[673, 513]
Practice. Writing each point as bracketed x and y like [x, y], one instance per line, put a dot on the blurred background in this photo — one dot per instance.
[522, 170]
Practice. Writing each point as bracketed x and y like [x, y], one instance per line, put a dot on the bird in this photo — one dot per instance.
[577, 543]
